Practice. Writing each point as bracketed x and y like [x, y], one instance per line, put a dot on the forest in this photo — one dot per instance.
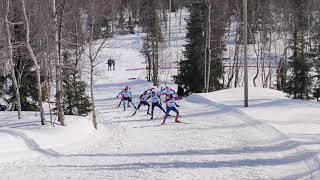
[47, 47]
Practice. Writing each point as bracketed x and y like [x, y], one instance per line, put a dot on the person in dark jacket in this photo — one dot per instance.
[143, 101]
[180, 92]
[113, 64]
[109, 64]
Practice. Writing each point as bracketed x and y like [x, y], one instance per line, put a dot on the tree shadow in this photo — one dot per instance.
[275, 147]
[298, 157]
[30, 143]
[255, 103]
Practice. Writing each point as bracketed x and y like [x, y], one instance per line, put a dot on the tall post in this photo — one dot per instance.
[245, 43]
[170, 22]
[209, 47]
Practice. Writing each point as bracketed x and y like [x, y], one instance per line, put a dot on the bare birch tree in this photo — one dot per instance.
[57, 59]
[34, 59]
[10, 58]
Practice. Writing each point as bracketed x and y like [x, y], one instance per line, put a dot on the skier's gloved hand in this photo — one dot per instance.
[117, 96]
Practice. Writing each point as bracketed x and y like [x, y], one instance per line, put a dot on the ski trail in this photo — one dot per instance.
[272, 133]
[220, 142]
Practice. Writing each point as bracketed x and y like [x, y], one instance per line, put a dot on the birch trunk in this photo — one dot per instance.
[92, 65]
[58, 66]
[34, 59]
[13, 74]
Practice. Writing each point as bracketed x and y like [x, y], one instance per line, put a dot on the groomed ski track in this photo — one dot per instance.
[220, 142]
[215, 142]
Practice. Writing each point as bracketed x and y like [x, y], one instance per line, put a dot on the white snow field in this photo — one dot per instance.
[275, 138]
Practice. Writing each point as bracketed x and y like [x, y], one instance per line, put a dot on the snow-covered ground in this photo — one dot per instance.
[275, 138]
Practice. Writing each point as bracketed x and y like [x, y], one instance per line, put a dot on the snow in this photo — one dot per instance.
[23, 139]
[275, 138]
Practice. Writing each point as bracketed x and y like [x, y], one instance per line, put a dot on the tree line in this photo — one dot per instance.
[283, 46]
[47, 47]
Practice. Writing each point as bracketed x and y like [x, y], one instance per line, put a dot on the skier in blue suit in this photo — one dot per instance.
[171, 106]
[126, 95]
[156, 102]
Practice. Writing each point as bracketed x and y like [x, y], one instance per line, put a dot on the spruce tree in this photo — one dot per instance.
[299, 81]
[316, 88]
[191, 67]
[24, 70]
[218, 24]
[75, 101]
[316, 60]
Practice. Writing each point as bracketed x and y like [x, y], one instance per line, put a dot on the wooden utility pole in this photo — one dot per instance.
[209, 47]
[245, 42]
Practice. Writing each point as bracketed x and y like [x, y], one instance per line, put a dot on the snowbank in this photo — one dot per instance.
[26, 138]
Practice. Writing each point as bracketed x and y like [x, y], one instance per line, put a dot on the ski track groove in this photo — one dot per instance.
[119, 136]
[252, 122]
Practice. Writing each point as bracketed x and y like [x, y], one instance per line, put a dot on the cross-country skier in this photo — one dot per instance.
[167, 92]
[126, 95]
[143, 101]
[156, 102]
[171, 106]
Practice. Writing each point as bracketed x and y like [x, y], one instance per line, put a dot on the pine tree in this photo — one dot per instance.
[316, 77]
[316, 60]
[75, 101]
[191, 67]
[24, 70]
[299, 80]
[218, 23]
[202, 68]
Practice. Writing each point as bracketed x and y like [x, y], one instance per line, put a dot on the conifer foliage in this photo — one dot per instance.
[201, 69]
[190, 72]
[76, 102]
[299, 82]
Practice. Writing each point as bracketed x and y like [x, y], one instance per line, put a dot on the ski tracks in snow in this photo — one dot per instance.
[219, 142]
[272, 136]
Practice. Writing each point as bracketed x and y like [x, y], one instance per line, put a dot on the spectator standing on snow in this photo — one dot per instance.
[113, 64]
[109, 64]
[171, 106]
[180, 92]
